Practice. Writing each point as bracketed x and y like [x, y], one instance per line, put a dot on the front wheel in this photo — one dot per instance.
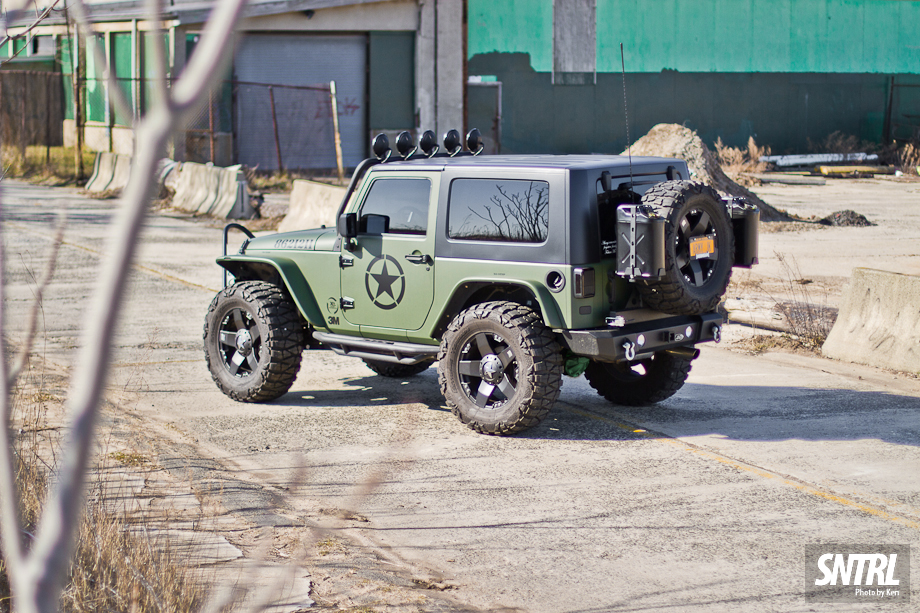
[642, 382]
[500, 368]
[253, 341]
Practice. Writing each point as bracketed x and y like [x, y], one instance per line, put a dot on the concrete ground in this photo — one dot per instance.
[703, 502]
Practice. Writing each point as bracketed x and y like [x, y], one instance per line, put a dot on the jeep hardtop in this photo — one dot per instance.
[508, 270]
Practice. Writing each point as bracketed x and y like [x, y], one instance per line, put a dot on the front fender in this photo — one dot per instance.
[278, 270]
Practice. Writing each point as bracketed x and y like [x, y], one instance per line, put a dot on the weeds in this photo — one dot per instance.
[273, 182]
[809, 322]
[838, 142]
[38, 166]
[909, 159]
[119, 564]
[737, 163]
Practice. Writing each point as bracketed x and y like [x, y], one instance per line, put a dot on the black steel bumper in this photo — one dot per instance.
[640, 340]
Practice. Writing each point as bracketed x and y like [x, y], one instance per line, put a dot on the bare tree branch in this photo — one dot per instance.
[10, 522]
[102, 66]
[25, 349]
[44, 14]
[39, 576]
[210, 58]
[158, 61]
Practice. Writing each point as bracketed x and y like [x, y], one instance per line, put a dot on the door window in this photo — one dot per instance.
[396, 206]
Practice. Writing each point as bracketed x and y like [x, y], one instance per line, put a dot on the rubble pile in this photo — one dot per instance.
[845, 218]
[675, 141]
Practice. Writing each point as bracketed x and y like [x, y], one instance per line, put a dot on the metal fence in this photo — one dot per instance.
[262, 125]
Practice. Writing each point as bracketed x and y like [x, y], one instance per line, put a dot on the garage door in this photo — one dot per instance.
[304, 116]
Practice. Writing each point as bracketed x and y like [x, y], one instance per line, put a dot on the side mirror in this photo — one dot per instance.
[347, 225]
[375, 224]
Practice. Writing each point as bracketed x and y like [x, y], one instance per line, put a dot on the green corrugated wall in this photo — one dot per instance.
[840, 36]
[512, 26]
[787, 72]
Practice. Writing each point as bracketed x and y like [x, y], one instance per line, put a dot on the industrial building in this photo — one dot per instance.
[533, 75]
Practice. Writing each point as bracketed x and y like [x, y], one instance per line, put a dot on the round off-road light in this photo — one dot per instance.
[640, 340]
[689, 331]
[428, 143]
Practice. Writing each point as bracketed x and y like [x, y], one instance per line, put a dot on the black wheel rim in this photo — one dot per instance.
[488, 370]
[696, 270]
[240, 342]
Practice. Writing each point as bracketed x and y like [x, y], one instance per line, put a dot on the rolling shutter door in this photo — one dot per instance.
[304, 116]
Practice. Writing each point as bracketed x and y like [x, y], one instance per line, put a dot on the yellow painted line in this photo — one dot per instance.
[798, 484]
[140, 267]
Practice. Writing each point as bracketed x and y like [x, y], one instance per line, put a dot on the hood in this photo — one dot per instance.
[319, 239]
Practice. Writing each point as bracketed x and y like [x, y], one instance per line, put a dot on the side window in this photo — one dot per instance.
[499, 210]
[396, 206]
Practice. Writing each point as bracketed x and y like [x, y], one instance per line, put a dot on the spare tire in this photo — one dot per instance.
[699, 249]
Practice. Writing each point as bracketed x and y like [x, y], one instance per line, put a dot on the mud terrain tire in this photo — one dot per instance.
[642, 382]
[690, 285]
[500, 368]
[253, 341]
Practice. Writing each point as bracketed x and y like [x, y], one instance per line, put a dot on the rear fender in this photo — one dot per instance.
[281, 271]
[471, 292]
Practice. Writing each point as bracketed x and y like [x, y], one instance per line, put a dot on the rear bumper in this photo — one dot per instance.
[640, 340]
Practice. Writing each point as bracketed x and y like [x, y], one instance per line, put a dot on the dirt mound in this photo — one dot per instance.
[845, 218]
[675, 141]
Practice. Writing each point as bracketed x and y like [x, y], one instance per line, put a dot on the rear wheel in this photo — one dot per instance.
[253, 341]
[500, 368]
[389, 369]
[699, 249]
[641, 382]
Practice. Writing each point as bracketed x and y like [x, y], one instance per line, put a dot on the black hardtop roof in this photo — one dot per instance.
[565, 162]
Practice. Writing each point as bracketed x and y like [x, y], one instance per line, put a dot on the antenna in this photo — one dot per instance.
[626, 114]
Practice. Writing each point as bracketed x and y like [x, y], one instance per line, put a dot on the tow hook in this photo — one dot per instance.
[630, 348]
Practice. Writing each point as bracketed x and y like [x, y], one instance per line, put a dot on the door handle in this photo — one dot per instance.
[418, 259]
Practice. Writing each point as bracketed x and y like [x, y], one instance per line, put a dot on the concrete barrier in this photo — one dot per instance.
[210, 190]
[110, 171]
[879, 321]
[313, 204]
[121, 173]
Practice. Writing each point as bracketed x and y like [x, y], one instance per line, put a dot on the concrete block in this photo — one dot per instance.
[879, 321]
[103, 172]
[312, 204]
[121, 172]
[100, 174]
[110, 171]
[206, 190]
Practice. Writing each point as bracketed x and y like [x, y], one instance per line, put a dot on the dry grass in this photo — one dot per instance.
[118, 565]
[909, 159]
[737, 163]
[809, 321]
[274, 182]
[761, 343]
[838, 142]
[37, 168]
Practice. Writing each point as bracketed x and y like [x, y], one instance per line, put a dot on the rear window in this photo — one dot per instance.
[502, 210]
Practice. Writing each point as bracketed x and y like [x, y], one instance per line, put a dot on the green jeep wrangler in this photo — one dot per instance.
[508, 270]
